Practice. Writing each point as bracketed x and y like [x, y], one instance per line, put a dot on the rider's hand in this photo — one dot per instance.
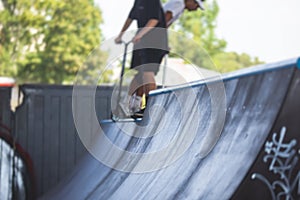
[137, 39]
[118, 40]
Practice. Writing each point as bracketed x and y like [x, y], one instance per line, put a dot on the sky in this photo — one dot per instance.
[267, 29]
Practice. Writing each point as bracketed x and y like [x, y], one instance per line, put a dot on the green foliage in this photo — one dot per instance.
[47, 41]
[199, 27]
[188, 49]
[230, 61]
[93, 69]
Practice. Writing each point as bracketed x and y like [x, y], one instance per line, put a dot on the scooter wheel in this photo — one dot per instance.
[115, 118]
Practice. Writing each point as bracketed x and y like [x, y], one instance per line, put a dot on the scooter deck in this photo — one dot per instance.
[122, 120]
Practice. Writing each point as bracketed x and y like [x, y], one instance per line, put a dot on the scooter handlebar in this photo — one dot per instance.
[126, 43]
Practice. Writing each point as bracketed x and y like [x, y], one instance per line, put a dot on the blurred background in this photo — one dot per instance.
[44, 43]
[47, 41]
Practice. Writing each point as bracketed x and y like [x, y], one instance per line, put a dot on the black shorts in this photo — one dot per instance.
[147, 60]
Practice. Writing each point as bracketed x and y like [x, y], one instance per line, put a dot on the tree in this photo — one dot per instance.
[199, 27]
[47, 41]
[230, 61]
[8, 37]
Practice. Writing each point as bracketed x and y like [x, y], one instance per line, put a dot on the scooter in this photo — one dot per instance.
[119, 111]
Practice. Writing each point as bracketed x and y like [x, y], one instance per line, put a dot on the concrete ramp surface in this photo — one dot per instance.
[193, 143]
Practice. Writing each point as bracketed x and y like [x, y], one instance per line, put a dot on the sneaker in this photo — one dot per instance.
[138, 114]
[135, 103]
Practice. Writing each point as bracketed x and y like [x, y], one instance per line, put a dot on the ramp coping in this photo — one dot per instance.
[258, 69]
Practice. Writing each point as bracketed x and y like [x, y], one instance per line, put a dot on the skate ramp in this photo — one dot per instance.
[212, 165]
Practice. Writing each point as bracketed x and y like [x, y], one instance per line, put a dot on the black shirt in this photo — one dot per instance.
[144, 10]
